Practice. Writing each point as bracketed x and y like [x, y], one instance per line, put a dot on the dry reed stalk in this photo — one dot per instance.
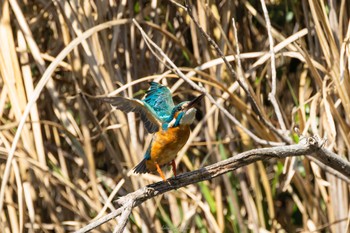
[62, 161]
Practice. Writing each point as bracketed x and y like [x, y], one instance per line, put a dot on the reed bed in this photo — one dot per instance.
[65, 156]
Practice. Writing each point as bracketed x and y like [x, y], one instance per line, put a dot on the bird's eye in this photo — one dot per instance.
[179, 108]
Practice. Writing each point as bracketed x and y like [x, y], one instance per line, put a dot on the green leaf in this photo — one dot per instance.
[207, 196]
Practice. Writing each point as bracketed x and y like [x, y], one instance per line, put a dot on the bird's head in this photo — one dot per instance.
[183, 113]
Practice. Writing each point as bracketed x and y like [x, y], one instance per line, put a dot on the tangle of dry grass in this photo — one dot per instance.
[267, 67]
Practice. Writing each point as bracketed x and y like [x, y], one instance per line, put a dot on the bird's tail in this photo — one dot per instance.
[141, 167]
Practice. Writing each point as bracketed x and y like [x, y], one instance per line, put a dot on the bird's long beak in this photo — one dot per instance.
[195, 101]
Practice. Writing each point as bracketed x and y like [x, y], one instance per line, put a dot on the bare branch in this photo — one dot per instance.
[125, 217]
[312, 147]
[330, 170]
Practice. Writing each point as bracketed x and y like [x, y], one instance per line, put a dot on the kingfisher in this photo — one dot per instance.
[169, 124]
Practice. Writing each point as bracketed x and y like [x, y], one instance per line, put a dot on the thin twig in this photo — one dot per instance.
[311, 147]
[102, 220]
[272, 94]
[124, 217]
[238, 52]
[330, 170]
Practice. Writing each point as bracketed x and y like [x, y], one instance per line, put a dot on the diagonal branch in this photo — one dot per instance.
[310, 147]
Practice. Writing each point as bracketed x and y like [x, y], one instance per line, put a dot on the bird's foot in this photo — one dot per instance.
[160, 172]
[173, 164]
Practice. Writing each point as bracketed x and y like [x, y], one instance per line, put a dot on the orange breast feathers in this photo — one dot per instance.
[166, 144]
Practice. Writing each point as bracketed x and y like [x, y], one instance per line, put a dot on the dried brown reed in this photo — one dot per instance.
[64, 156]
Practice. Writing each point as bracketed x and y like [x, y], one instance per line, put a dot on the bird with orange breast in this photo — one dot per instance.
[169, 124]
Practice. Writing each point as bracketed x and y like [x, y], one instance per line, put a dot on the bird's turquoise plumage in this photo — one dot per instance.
[168, 123]
[159, 98]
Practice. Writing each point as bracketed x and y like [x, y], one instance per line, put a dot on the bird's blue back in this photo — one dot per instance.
[159, 98]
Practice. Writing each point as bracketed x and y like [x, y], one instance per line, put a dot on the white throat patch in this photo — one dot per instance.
[189, 117]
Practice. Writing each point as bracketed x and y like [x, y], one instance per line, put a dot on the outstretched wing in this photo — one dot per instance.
[159, 98]
[148, 116]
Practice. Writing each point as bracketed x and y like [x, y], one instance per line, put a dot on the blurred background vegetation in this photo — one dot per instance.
[75, 152]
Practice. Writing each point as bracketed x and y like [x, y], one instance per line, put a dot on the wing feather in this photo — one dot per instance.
[159, 98]
[147, 114]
